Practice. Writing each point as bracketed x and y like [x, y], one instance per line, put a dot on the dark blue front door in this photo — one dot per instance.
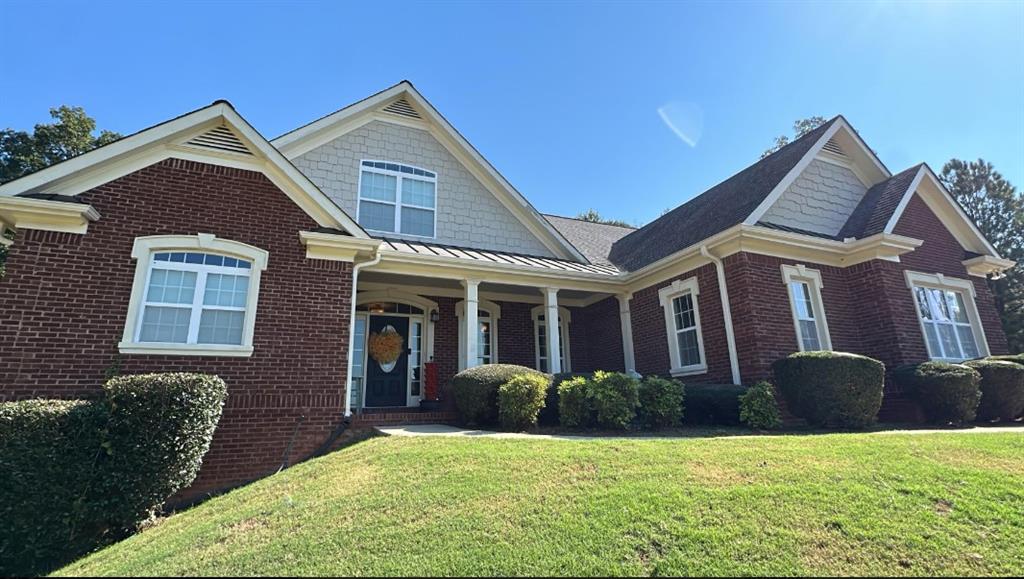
[387, 385]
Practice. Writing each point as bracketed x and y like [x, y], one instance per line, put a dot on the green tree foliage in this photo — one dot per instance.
[800, 128]
[997, 208]
[593, 216]
[72, 134]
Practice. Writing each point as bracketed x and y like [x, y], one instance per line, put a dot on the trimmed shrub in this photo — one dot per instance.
[713, 404]
[574, 408]
[614, 397]
[1002, 389]
[161, 426]
[549, 414]
[1015, 358]
[476, 391]
[520, 400]
[49, 450]
[76, 474]
[661, 402]
[831, 388]
[758, 407]
[948, 393]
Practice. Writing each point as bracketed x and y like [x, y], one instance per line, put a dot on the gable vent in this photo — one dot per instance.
[221, 139]
[403, 108]
[833, 147]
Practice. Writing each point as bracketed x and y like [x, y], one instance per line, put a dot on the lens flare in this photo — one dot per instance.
[686, 120]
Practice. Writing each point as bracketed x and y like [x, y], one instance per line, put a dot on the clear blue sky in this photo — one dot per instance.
[562, 98]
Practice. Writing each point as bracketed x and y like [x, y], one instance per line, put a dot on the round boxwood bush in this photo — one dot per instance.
[475, 391]
[831, 388]
[574, 408]
[549, 414]
[1002, 389]
[661, 402]
[758, 407]
[1015, 358]
[520, 400]
[614, 397]
[948, 393]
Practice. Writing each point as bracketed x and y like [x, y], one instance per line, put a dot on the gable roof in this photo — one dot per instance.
[214, 134]
[408, 106]
[594, 240]
[727, 204]
[879, 203]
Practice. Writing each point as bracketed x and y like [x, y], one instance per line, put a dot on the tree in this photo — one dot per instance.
[800, 128]
[593, 216]
[22, 153]
[997, 208]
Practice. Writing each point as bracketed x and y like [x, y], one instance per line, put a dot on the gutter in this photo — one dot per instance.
[352, 325]
[723, 293]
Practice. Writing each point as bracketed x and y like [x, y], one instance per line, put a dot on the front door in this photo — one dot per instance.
[387, 384]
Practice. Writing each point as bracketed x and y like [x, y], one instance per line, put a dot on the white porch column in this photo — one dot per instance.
[470, 330]
[551, 324]
[626, 324]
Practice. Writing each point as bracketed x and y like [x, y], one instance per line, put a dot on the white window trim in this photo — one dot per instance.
[665, 296]
[397, 203]
[812, 277]
[143, 251]
[495, 314]
[565, 318]
[965, 287]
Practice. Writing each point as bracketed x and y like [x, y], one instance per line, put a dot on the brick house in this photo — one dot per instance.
[199, 245]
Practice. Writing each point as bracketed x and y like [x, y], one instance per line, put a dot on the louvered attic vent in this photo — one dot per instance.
[221, 139]
[402, 107]
[833, 147]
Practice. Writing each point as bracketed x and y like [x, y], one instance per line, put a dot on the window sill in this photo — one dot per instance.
[185, 349]
[689, 371]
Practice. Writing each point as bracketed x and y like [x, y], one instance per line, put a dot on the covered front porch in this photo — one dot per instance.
[410, 337]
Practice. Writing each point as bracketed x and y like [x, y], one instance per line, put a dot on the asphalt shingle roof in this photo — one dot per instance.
[717, 209]
[594, 240]
[879, 203]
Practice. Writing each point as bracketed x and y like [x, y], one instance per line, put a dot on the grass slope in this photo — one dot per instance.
[847, 504]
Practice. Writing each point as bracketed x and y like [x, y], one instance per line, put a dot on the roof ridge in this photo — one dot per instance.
[590, 222]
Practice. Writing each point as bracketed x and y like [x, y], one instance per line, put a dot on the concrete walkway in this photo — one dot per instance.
[445, 430]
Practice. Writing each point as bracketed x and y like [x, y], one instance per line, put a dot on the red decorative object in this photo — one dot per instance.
[430, 382]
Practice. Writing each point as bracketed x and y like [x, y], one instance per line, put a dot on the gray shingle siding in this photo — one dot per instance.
[821, 199]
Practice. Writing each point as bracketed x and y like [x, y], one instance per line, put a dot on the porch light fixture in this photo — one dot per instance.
[376, 308]
[435, 316]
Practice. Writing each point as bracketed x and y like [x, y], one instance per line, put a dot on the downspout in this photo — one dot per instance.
[352, 325]
[723, 292]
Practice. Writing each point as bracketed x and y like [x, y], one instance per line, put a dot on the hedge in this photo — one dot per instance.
[475, 391]
[947, 393]
[614, 398]
[77, 474]
[520, 400]
[713, 404]
[574, 408]
[661, 402]
[1002, 389]
[831, 388]
[1015, 358]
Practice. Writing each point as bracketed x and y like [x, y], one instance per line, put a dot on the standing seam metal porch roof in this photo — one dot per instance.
[490, 256]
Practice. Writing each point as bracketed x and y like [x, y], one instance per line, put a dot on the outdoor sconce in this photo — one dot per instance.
[434, 316]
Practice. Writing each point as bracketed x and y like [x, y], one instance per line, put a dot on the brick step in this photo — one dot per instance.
[369, 420]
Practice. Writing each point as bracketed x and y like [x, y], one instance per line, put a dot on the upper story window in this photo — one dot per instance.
[949, 318]
[395, 198]
[804, 288]
[682, 322]
[193, 295]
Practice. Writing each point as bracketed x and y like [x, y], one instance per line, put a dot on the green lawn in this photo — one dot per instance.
[838, 504]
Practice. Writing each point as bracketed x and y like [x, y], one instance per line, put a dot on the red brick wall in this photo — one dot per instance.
[65, 300]
[650, 336]
[597, 337]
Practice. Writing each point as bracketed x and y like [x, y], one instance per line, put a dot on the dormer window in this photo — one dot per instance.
[396, 198]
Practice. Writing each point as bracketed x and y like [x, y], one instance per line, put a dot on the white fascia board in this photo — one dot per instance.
[983, 265]
[945, 198]
[793, 174]
[165, 140]
[335, 247]
[46, 215]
